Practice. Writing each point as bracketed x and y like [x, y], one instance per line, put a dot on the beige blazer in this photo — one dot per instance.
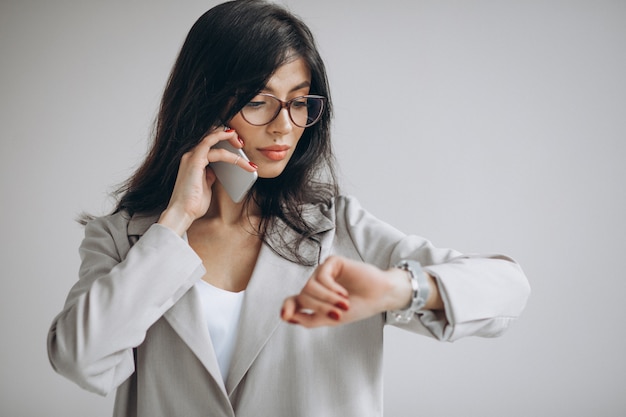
[133, 323]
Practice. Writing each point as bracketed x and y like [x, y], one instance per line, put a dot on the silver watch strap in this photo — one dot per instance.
[420, 291]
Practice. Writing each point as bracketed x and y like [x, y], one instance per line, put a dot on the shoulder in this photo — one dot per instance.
[327, 214]
[341, 212]
[115, 223]
[114, 234]
[122, 222]
[345, 203]
[347, 213]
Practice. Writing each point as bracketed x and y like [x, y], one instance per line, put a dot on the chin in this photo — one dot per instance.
[270, 172]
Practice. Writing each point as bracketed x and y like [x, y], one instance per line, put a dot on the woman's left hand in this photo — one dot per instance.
[342, 291]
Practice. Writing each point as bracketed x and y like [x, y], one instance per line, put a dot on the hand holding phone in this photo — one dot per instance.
[235, 180]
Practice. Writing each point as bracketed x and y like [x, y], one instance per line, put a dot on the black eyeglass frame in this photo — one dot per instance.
[287, 105]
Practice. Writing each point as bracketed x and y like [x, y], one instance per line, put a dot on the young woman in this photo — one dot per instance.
[191, 304]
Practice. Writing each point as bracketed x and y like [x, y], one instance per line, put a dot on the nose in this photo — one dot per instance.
[282, 124]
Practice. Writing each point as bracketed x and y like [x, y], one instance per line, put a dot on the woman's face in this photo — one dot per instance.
[271, 146]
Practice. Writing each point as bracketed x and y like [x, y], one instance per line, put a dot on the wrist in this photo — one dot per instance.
[177, 220]
[400, 290]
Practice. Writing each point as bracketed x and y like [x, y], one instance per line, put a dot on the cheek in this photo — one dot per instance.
[236, 122]
[298, 132]
[245, 131]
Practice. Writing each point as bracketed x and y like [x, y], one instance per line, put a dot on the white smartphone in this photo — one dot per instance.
[236, 180]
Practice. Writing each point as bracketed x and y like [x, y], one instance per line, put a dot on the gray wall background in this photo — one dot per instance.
[482, 125]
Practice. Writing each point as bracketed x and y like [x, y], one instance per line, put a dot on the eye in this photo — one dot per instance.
[299, 103]
[255, 105]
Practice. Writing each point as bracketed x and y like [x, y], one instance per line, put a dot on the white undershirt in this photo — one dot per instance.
[221, 310]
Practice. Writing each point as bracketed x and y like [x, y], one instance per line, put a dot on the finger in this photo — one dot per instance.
[309, 320]
[199, 154]
[227, 134]
[309, 308]
[223, 155]
[234, 138]
[312, 305]
[327, 272]
[300, 310]
[323, 294]
[289, 309]
[216, 135]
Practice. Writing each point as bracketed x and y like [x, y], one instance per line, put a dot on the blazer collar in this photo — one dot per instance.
[139, 223]
[185, 317]
[274, 278]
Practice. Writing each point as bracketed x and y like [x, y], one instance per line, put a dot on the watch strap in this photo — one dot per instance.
[420, 290]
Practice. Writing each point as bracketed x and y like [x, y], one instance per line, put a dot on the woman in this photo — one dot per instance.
[190, 304]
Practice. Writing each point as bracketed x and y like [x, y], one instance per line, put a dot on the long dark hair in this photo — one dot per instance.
[228, 56]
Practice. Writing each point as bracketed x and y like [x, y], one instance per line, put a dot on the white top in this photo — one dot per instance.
[221, 310]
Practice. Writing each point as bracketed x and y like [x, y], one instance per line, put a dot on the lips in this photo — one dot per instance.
[276, 152]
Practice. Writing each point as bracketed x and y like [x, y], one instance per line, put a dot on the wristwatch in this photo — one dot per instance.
[420, 291]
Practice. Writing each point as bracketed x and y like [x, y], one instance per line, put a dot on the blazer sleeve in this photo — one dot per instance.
[120, 293]
[482, 294]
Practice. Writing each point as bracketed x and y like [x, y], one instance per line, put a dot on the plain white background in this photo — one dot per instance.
[487, 126]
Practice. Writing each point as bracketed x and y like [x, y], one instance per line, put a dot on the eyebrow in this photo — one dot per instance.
[300, 86]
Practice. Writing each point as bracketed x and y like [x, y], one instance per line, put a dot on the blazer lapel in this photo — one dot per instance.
[274, 278]
[183, 317]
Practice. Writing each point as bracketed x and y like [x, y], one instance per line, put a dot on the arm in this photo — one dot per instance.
[343, 290]
[114, 303]
[480, 294]
[122, 291]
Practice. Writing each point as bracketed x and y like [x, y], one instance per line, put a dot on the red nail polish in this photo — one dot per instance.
[253, 165]
[333, 315]
[342, 305]
[229, 130]
[240, 141]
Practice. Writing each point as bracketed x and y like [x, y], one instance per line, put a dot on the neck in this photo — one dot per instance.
[226, 211]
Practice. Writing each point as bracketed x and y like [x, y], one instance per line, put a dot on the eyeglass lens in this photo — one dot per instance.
[304, 111]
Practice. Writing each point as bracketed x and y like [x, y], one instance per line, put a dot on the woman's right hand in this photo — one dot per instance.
[191, 196]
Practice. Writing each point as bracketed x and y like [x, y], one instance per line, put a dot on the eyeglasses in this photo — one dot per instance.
[304, 111]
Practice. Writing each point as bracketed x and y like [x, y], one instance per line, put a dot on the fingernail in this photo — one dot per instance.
[333, 315]
[341, 305]
[229, 130]
[240, 141]
[253, 165]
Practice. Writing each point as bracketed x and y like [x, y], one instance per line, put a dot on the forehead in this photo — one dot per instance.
[291, 76]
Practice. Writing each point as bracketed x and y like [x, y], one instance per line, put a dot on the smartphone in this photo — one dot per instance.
[235, 180]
